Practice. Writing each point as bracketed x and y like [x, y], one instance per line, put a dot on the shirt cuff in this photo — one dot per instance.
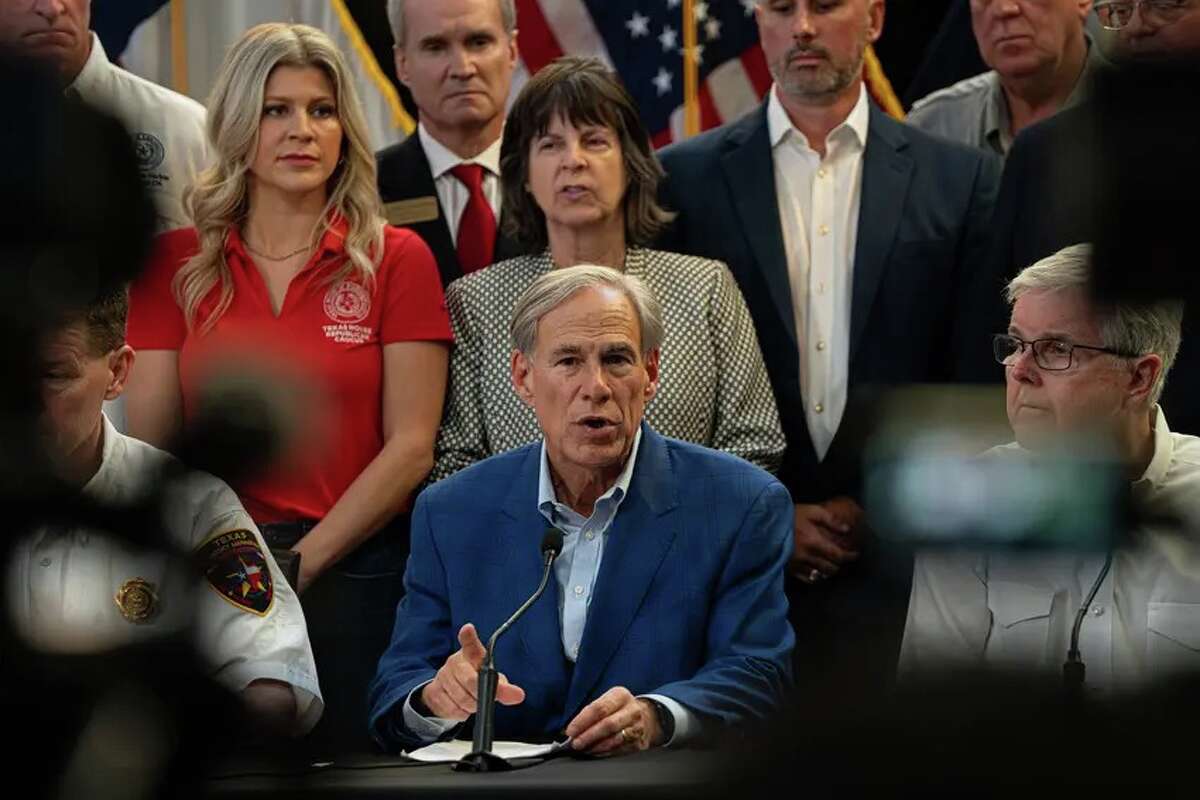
[428, 729]
[686, 723]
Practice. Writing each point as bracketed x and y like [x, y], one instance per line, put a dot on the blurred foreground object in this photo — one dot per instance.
[976, 734]
[133, 721]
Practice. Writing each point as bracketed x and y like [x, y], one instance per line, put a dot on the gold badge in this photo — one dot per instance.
[137, 600]
[409, 212]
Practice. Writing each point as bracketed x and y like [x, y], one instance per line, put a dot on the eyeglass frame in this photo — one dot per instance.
[1157, 6]
[1032, 344]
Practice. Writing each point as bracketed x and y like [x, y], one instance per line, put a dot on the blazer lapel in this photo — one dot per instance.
[636, 544]
[540, 629]
[886, 174]
[435, 232]
[750, 172]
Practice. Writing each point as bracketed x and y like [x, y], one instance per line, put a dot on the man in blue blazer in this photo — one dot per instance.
[860, 246]
[667, 614]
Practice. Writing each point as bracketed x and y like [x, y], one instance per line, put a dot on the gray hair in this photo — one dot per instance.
[395, 10]
[1139, 328]
[558, 285]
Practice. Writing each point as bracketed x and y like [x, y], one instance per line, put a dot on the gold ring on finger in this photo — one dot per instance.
[628, 736]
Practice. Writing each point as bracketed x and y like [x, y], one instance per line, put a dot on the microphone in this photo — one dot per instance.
[481, 758]
[1074, 669]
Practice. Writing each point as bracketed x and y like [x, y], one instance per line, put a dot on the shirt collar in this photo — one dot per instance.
[100, 485]
[637, 260]
[547, 498]
[779, 125]
[1164, 450]
[996, 121]
[94, 69]
[442, 160]
[995, 113]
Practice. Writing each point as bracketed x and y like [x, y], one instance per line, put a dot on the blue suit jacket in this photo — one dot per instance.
[924, 302]
[689, 601]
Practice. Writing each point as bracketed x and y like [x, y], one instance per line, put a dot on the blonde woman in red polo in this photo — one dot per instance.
[290, 267]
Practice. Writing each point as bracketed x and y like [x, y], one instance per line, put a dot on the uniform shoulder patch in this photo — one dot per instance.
[236, 568]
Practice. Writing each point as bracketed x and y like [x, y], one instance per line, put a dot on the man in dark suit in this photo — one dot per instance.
[859, 245]
[666, 615]
[1092, 174]
[457, 58]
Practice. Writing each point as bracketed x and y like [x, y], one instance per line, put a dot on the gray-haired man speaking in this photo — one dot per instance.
[668, 613]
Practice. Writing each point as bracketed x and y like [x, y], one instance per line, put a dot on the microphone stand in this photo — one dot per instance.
[1074, 670]
[481, 758]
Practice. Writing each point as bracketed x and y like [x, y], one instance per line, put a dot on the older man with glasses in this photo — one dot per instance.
[1091, 172]
[1153, 27]
[1077, 370]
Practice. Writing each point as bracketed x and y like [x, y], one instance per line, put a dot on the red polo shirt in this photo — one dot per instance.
[324, 352]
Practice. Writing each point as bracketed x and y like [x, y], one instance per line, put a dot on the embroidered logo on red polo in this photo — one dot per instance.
[237, 569]
[347, 303]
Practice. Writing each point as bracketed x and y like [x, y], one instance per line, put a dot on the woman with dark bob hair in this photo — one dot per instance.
[580, 182]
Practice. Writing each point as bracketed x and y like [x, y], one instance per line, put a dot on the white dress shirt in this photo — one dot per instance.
[62, 584]
[1016, 610]
[452, 193]
[818, 201]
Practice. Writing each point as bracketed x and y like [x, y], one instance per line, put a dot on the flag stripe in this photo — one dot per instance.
[674, 131]
[535, 39]
[755, 64]
[731, 90]
[400, 117]
[519, 78]
[572, 25]
[709, 116]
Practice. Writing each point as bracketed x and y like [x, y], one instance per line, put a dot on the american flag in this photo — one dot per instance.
[642, 40]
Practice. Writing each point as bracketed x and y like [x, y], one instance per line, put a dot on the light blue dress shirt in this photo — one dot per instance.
[583, 545]
[575, 572]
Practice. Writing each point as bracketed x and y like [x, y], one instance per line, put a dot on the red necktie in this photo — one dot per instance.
[477, 227]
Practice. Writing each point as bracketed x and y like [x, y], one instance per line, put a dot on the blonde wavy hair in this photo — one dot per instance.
[218, 199]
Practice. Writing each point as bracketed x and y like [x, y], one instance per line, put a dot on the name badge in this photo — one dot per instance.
[408, 212]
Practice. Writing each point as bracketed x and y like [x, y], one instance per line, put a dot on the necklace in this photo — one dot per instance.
[283, 257]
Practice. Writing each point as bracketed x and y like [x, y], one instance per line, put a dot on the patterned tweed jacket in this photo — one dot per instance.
[713, 386]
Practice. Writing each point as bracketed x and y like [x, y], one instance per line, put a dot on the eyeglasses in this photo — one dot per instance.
[1051, 354]
[1116, 14]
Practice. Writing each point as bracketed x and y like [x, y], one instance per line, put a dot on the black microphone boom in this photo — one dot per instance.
[481, 758]
[1074, 670]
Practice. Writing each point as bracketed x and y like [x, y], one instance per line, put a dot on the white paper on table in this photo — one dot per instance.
[453, 750]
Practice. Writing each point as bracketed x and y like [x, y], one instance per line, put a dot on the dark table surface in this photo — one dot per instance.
[655, 773]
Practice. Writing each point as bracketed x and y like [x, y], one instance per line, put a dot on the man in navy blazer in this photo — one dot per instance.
[666, 616]
[457, 59]
[877, 254]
